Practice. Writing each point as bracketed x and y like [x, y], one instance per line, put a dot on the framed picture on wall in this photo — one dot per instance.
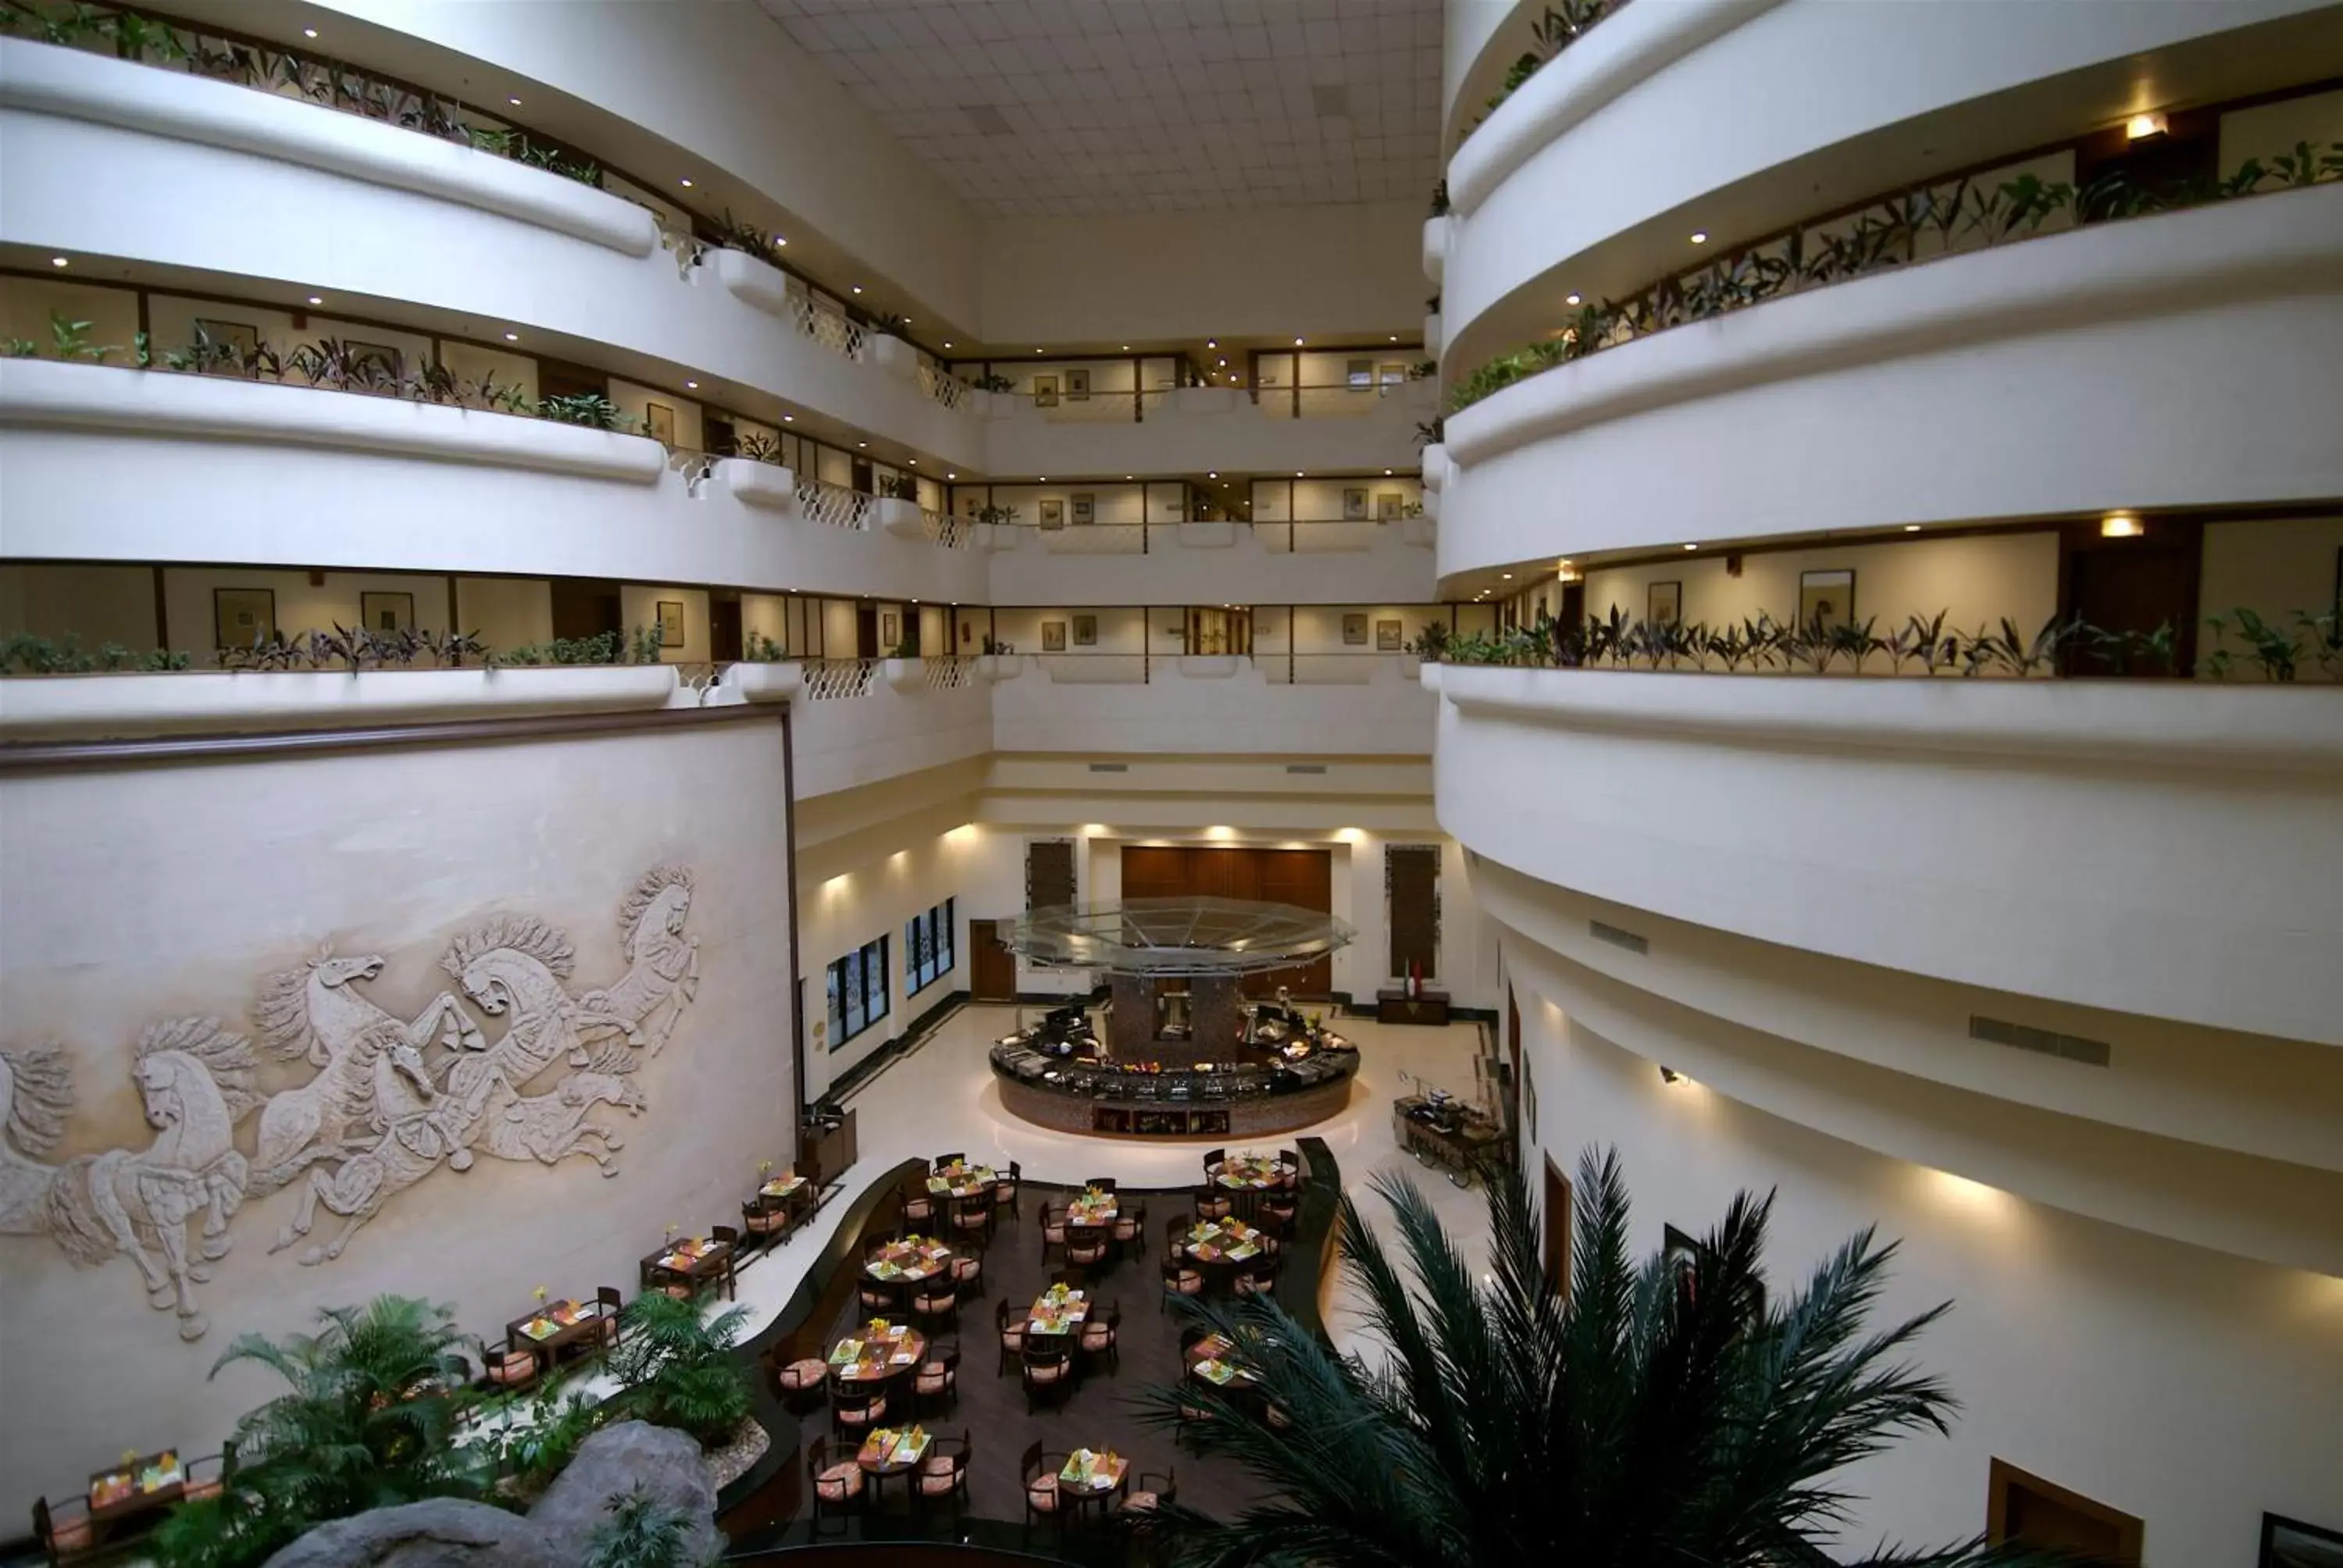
[891, 632]
[1391, 373]
[2291, 1543]
[659, 423]
[1387, 636]
[242, 617]
[1387, 503]
[1354, 631]
[1354, 506]
[1663, 603]
[1045, 391]
[1826, 598]
[1053, 636]
[387, 611]
[1078, 383]
[1359, 374]
[1085, 507]
[377, 365]
[1054, 514]
[1085, 631]
[670, 622]
[226, 348]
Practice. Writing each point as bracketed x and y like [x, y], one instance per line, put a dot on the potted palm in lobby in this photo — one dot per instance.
[1665, 1413]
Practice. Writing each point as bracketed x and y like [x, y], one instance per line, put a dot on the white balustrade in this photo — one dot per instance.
[822, 502]
[839, 680]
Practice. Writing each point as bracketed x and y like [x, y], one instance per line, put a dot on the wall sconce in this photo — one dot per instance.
[2139, 127]
[1670, 1075]
[2120, 525]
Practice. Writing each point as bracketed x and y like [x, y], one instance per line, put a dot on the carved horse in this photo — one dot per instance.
[414, 1134]
[314, 1011]
[35, 1101]
[194, 1081]
[663, 964]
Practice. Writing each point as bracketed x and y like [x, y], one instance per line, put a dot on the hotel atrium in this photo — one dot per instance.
[976, 781]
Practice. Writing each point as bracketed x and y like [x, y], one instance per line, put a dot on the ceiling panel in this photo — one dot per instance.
[1081, 107]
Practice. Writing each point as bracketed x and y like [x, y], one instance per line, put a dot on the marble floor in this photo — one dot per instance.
[942, 1097]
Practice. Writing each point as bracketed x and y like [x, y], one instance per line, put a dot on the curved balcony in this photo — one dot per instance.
[219, 178]
[1196, 429]
[1926, 388]
[1214, 704]
[1559, 191]
[2164, 850]
[1203, 563]
[105, 464]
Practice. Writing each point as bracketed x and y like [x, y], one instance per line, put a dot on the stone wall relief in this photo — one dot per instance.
[393, 1098]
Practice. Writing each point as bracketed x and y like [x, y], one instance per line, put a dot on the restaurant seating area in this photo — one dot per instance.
[892, 1415]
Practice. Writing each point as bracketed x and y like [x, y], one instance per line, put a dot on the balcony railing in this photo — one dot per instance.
[1357, 668]
[942, 385]
[823, 502]
[828, 329]
[951, 673]
[1337, 399]
[840, 679]
[1313, 536]
[944, 529]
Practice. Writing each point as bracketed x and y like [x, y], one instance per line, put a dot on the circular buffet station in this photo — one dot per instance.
[1181, 1051]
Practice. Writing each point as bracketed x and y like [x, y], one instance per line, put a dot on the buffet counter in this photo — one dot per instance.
[1286, 1073]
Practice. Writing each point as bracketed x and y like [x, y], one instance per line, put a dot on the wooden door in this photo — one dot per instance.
[1554, 1217]
[583, 607]
[1303, 877]
[1411, 893]
[724, 627]
[992, 969]
[2133, 585]
[2024, 1510]
[866, 631]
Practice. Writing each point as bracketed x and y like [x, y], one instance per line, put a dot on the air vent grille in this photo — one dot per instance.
[2041, 1041]
[1617, 938]
[1110, 767]
[1305, 767]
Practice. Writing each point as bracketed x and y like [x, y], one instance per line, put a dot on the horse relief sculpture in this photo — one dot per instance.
[392, 1099]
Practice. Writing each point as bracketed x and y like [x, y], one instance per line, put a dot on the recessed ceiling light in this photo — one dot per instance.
[1700, 237]
[1130, 475]
[691, 385]
[2140, 126]
[1692, 546]
[308, 31]
[1911, 528]
[512, 338]
[789, 418]
[1507, 576]
[862, 443]
[1394, 337]
[514, 102]
[1387, 473]
[1300, 475]
[1041, 480]
[317, 299]
[781, 240]
[1211, 342]
[948, 343]
[686, 185]
[913, 461]
[1297, 343]
[1570, 299]
[951, 476]
[1213, 475]
[1126, 348]
[858, 288]
[1224, 365]
[1037, 351]
[60, 261]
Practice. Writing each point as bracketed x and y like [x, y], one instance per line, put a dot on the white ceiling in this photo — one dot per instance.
[1080, 107]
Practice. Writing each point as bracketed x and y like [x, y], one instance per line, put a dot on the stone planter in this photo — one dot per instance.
[1435, 470]
[764, 682]
[890, 353]
[904, 674]
[764, 486]
[1436, 233]
[899, 517]
[1432, 336]
[1000, 666]
[1418, 531]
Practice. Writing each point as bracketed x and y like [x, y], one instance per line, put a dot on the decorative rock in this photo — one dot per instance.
[440, 1533]
[665, 1463]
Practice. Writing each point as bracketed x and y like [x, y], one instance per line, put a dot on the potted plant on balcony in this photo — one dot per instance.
[998, 661]
[903, 669]
[897, 509]
[995, 528]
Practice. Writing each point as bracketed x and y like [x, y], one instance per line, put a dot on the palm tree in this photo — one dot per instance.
[1661, 1415]
[368, 1420]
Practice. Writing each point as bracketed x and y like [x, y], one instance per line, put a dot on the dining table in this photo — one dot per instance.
[556, 1329]
[1059, 1310]
[909, 1261]
[1249, 1172]
[962, 1181]
[881, 1350]
[1092, 1208]
[1090, 1476]
[891, 1451]
[691, 1262]
[1229, 1241]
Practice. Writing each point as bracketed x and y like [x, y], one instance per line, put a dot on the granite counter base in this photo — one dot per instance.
[1244, 1116]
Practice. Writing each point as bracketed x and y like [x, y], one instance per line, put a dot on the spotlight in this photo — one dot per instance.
[1700, 237]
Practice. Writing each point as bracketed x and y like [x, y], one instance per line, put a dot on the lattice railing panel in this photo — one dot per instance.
[837, 679]
[950, 674]
[943, 386]
[943, 528]
[822, 502]
[829, 330]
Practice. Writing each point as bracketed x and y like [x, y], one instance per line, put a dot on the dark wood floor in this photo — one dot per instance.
[1099, 1413]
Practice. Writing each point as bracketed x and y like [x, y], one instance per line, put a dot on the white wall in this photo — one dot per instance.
[210, 877]
[2072, 1345]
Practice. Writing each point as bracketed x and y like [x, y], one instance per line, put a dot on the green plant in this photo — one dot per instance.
[644, 645]
[757, 447]
[533, 1442]
[19, 349]
[1440, 204]
[999, 517]
[1673, 1411]
[994, 645]
[900, 487]
[734, 236]
[368, 1420]
[591, 409]
[894, 325]
[682, 1372]
[993, 381]
[72, 340]
[602, 647]
[641, 1532]
[2276, 648]
[1432, 642]
[2323, 635]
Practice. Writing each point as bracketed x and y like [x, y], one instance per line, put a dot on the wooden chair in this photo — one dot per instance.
[798, 1382]
[855, 1408]
[1289, 1167]
[1103, 1183]
[1101, 1337]
[879, 1295]
[1037, 1471]
[1005, 1189]
[611, 1307]
[1213, 1160]
[1179, 1279]
[968, 1274]
[1010, 1321]
[838, 1483]
[765, 1222]
[935, 1302]
[919, 1207]
[972, 1220]
[1258, 1278]
[1211, 1203]
[957, 1156]
[1278, 1208]
[1053, 1230]
[942, 1476]
[1153, 1492]
[509, 1367]
[1086, 1245]
[1130, 1224]
[1047, 1372]
[938, 1378]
